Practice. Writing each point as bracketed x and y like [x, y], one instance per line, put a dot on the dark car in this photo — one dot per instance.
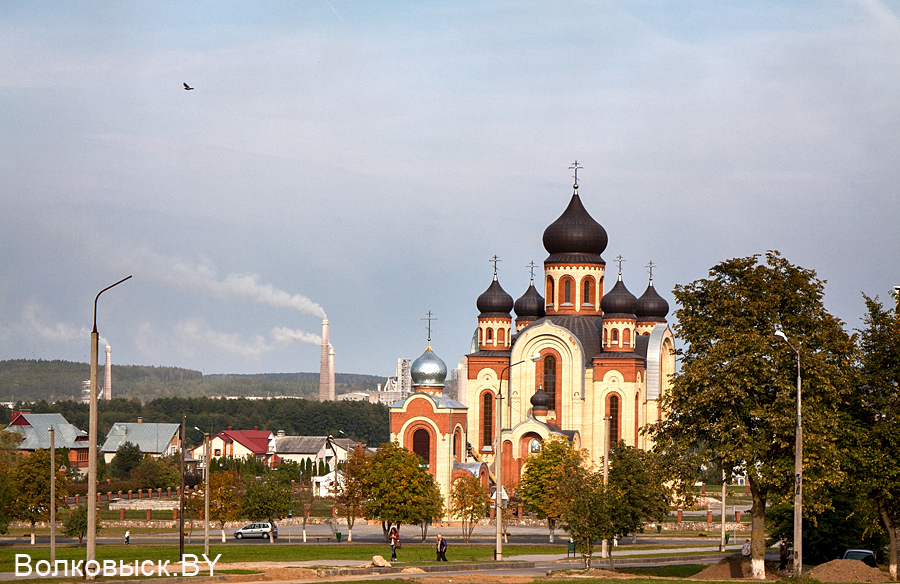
[865, 556]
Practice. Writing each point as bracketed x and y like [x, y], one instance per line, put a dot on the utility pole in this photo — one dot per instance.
[52, 496]
[181, 504]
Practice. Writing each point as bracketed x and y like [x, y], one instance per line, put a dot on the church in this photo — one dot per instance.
[579, 362]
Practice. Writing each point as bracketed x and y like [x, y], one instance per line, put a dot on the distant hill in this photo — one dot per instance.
[33, 380]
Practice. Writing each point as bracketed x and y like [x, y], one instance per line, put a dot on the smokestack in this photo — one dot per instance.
[323, 364]
[331, 372]
[107, 381]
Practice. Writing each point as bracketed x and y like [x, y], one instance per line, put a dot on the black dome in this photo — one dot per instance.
[575, 235]
[619, 301]
[494, 301]
[540, 400]
[651, 306]
[530, 305]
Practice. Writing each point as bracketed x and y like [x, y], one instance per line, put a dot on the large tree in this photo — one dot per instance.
[350, 488]
[128, 457]
[31, 487]
[9, 442]
[267, 499]
[543, 471]
[400, 490]
[638, 480]
[734, 399]
[876, 419]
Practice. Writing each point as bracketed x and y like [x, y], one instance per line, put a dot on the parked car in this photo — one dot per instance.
[263, 530]
[866, 556]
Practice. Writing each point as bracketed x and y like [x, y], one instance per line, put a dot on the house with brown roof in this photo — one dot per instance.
[232, 443]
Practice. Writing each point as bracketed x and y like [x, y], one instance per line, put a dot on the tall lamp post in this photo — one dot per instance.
[205, 492]
[798, 470]
[92, 442]
[498, 457]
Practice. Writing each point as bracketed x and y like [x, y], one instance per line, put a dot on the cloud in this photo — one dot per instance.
[36, 320]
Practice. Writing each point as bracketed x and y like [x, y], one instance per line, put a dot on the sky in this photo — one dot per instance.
[363, 161]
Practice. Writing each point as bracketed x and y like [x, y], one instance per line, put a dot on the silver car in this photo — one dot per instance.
[262, 529]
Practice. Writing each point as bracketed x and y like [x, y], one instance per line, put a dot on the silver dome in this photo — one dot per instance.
[428, 369]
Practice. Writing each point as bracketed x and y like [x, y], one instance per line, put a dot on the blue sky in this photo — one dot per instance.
[365, 160]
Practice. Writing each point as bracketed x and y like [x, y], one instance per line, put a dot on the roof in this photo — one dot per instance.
[149, 437]
[441, 402]
[257, 441]
[36, 432]
[300, 444]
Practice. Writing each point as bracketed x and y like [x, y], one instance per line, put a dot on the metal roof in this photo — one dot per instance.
[300, 444]
[150, 437]
[36, 434]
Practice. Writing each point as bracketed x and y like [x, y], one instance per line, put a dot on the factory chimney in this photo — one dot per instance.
[331, 372]
[323, 364]
[107, 381]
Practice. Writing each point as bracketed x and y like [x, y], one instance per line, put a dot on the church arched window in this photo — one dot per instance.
[613, 419]
[626, 337]
[487, 419]
[501, 336]
[586, 291]
[549, 381]
[549, 290]
[568, 292]
[615, 337]
[422, 444]
[490, 335]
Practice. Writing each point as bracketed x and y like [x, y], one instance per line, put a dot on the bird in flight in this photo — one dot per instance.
[187, 87]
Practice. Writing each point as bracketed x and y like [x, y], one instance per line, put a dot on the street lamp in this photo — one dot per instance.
[52, 496]
[205, 492]
[92, 442]
[498, 456]
[798, 470]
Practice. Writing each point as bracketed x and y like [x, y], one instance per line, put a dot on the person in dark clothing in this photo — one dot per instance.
[784, 554]
[441, 549]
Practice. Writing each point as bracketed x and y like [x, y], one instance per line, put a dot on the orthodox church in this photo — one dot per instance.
[580, 362]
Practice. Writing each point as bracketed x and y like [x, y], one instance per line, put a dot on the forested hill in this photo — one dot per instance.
[362, 421]
[30, 380]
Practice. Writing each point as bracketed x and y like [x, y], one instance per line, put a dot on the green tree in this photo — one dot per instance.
[77, 524]
[154, 473]
[638, 480]
[542, 472]
[267, 498]
[350, 488]
[9, 441]
[875, 410]
[128, 457]
[400, 490]
[226, 498]
[590, 510]
[734, 400]
[31, 488]
[469, 501]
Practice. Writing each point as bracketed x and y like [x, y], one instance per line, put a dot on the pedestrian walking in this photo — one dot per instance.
[127, 536]
[784, 554]
[745, 549]
[441, 549]
[394, 539]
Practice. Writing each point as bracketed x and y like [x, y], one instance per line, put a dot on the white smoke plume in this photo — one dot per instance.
[202, 276]
[285, 335]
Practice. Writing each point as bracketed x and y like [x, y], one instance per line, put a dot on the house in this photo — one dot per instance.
[324, 486]
[35, 431]
[310, 448]
[155, 439]
[232, 443]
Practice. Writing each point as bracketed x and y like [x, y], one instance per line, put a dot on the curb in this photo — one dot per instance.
[429, 568]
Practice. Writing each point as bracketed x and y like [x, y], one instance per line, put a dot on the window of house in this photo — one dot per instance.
[549, 381]
[217, 452]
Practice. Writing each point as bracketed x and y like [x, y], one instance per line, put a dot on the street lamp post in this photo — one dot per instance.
[92, 442]
[798, 470]
[498, 457]
[205, 492]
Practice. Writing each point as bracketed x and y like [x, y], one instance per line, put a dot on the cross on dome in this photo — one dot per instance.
[650, 267]
[619, 260]
[429, 317]
[575, 167]
[494, 261]
[531, 269]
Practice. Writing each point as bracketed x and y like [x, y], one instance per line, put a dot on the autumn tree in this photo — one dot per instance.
[469, 501]
[9, 442]
[304, 497]
[226, 496]
[875, 468]
[542, 472]
[31, 488]
[734, 399]
[400, 490]
[350, 488]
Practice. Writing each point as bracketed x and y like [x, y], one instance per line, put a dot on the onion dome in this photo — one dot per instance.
[619, 301]
[540, 400]
[530, 305]
[428, 369]
[575, 236]
[494, 302]
[651, 306]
